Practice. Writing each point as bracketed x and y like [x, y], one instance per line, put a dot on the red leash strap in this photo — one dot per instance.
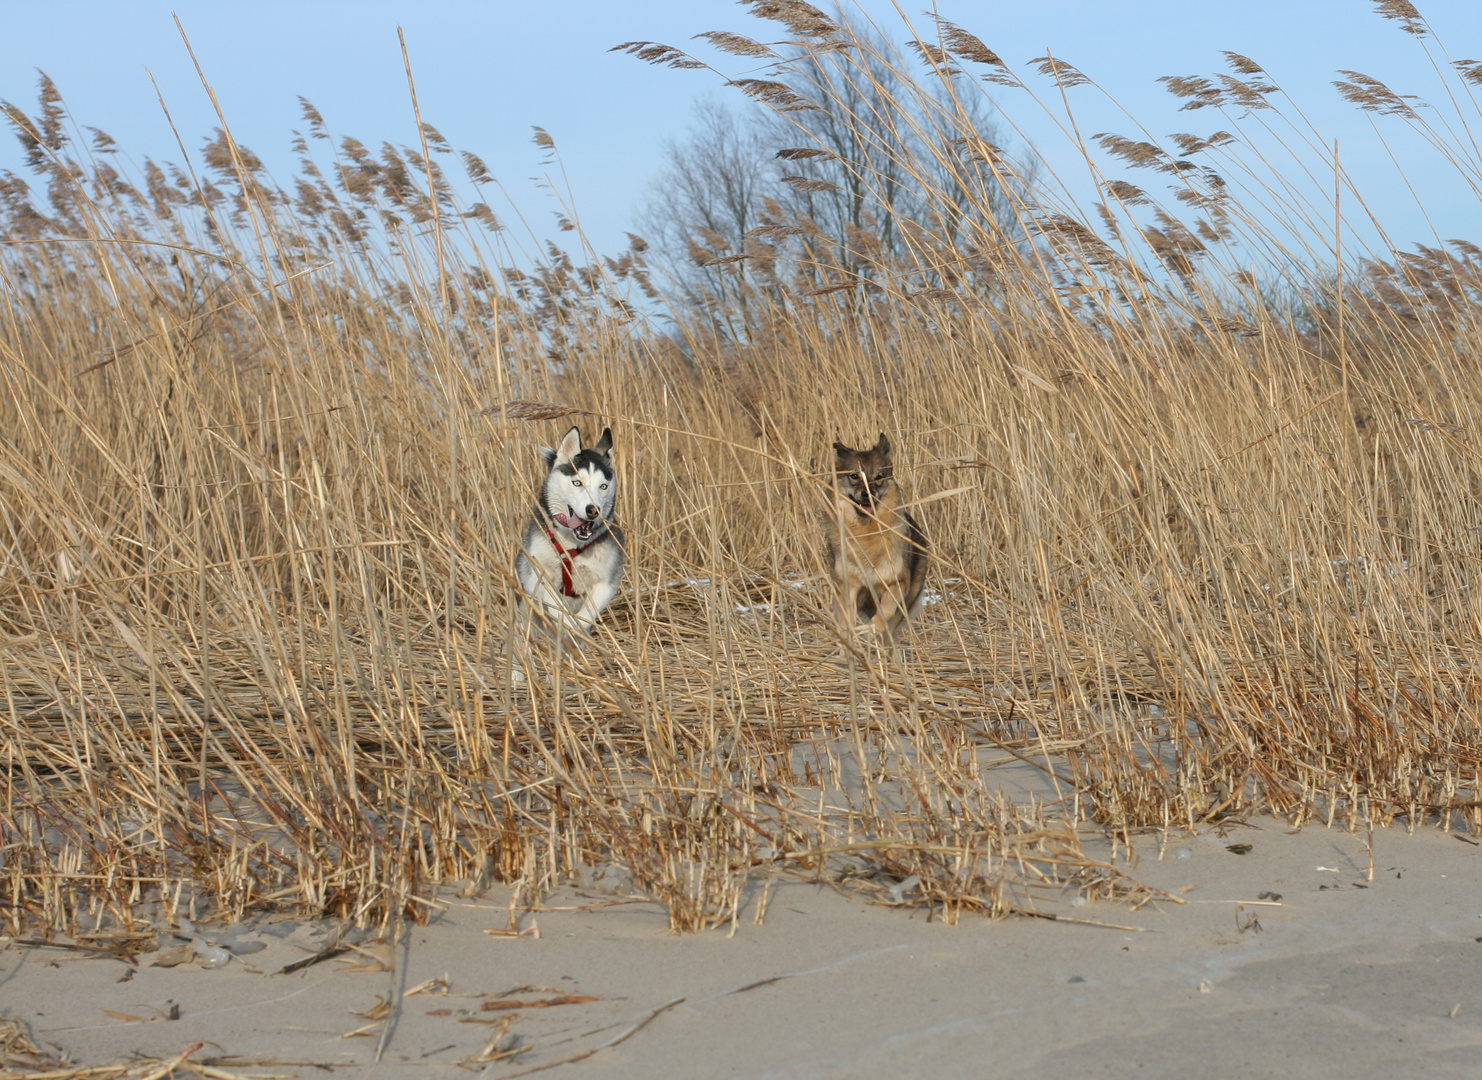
[566, 564]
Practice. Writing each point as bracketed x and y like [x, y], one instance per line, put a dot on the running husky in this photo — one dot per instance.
[877, 551]
[571, 560]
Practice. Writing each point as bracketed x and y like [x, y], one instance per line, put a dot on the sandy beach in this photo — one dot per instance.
[1340, 976]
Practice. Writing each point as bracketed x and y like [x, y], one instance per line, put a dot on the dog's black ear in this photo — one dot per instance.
[604, 444]
[883, 446]
[549, 453]
[841, 451]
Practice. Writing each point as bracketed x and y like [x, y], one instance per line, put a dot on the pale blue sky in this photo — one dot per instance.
[487, 72]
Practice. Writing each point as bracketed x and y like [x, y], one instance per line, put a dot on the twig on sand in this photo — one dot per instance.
[165, 1068]
[758, 983]
[1247, 903]
[337, 947]
[398, 979]
[117, 953]
[132, 1070]
[632, 1029]
[1079, 922]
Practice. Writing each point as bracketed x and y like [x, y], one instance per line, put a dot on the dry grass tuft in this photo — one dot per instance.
[1200, 547]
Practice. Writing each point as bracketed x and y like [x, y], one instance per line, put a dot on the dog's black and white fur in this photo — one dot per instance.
[570, 562]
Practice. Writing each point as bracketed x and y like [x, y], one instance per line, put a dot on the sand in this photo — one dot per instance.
[1341, 977]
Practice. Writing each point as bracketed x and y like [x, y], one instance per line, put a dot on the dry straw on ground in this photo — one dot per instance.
[1205, 539]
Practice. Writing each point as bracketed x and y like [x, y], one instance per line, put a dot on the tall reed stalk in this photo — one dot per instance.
[1201, 544]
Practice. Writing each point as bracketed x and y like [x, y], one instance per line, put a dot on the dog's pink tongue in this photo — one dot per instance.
[568, 521]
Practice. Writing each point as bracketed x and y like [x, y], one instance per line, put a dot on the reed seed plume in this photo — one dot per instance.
[1198, 477]
[531, 410]
[799, 17]
[1403, 12]
[736, 44]
[959, 42]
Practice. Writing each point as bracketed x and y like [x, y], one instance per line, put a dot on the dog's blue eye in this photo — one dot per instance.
[576, 483]
[603, 487]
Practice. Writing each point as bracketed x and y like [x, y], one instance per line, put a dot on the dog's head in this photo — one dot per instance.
[582, 488]
[864, 477]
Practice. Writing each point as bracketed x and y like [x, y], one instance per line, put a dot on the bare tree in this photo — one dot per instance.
[852, 165]
[709, 195]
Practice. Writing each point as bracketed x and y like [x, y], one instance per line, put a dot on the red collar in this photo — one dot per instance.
[567, 555]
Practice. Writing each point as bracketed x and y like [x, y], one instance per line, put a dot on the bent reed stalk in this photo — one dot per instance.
[268, 453]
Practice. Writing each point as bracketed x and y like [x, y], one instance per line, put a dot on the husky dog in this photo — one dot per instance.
[877, 551]
[570, 562]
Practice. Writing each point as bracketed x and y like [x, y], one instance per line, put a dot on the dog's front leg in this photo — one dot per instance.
[846, 594]
[845, 609]
[888, 614]
[553, 607]
[598, 596]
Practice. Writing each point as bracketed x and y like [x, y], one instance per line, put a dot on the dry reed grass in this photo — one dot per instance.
[1198, 548]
